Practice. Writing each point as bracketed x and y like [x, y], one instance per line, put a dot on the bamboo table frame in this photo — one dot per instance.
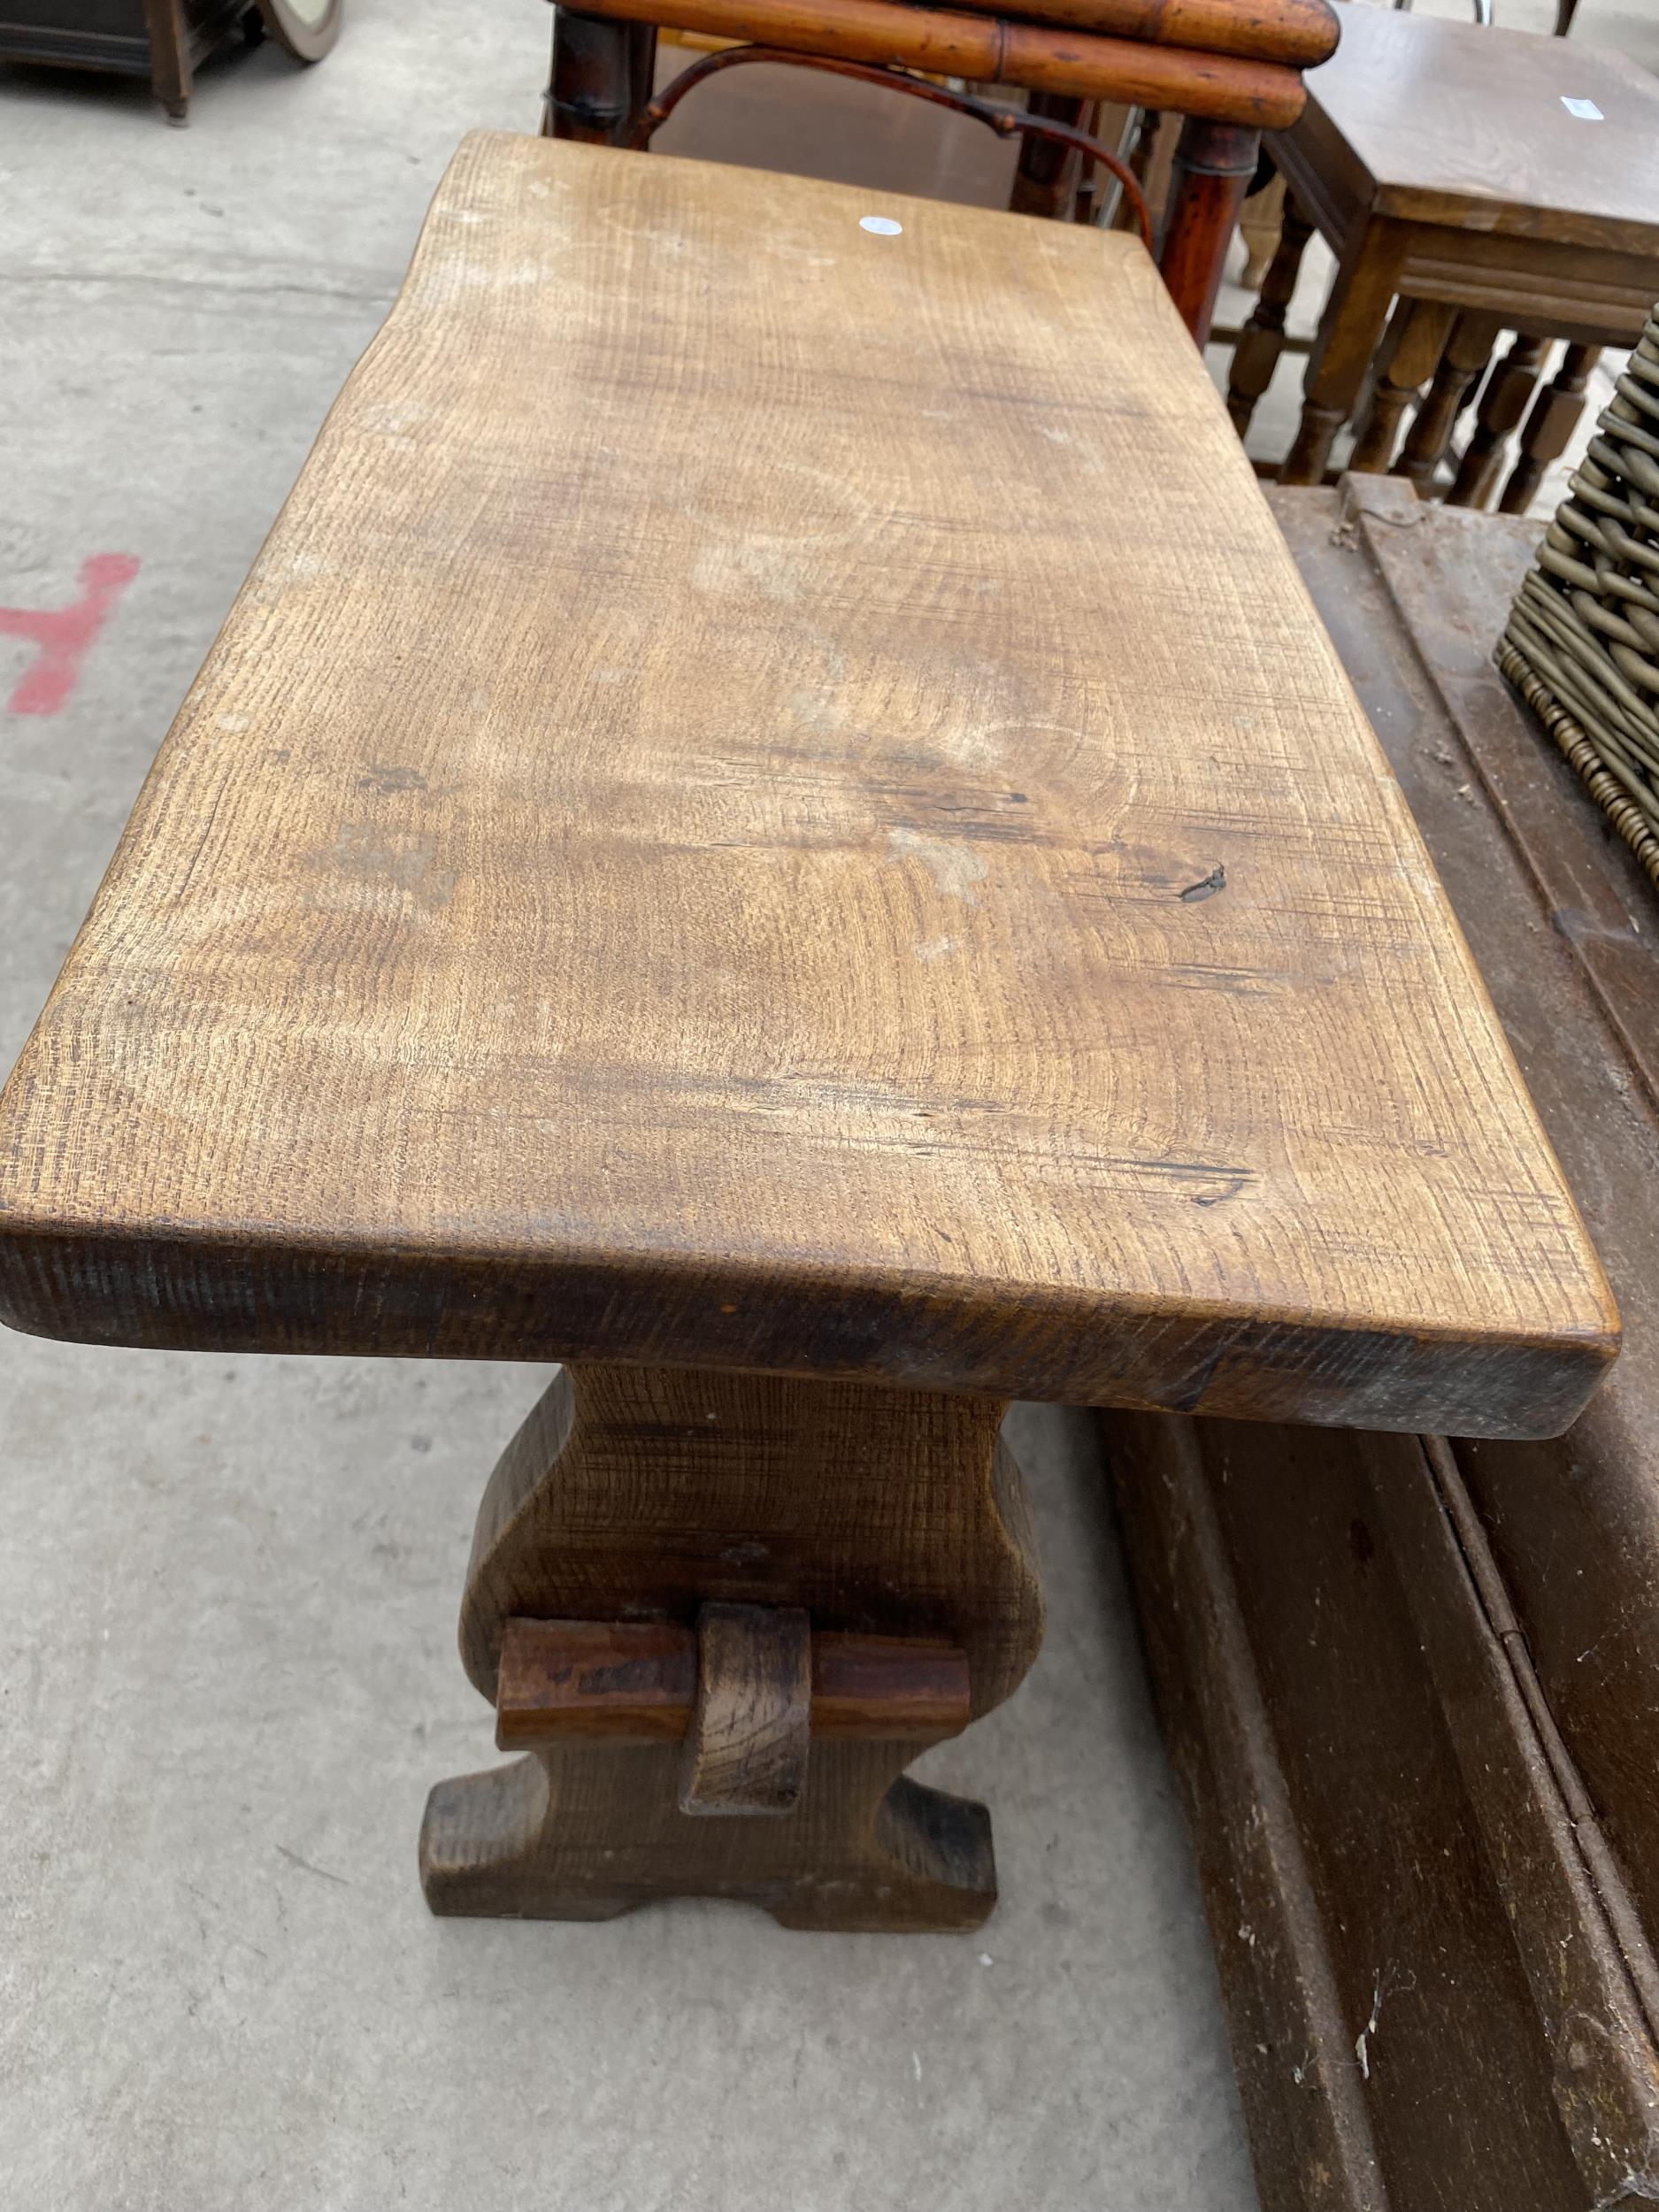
[1232, 75]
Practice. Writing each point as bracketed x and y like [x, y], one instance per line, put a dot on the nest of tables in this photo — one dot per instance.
[1582, 642]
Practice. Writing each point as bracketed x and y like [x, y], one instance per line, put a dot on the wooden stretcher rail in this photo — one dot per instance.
[1265, 96]
[636, 1681]
[1299, 32]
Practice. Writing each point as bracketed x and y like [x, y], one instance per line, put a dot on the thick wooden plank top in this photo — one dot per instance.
[1490, 129]
[775, 800]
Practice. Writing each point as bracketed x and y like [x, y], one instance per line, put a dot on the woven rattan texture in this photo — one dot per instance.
[1582, 642]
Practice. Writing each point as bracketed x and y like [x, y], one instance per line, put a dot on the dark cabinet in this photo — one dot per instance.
[162, 39]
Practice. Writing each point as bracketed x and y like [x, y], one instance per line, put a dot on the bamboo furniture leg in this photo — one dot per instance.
[642, 65]
[1467, 351]
[1550, 422]
[1503, 399]
[635, 1496]
[1213, 162]
[600, 78]
[1262, 340]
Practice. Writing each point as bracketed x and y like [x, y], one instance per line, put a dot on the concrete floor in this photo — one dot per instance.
[227, 1591]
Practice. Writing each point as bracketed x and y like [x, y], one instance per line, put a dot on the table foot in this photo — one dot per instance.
[726, 1613]
[591, 1834]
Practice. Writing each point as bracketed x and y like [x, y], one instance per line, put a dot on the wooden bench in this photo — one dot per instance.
[774, 822]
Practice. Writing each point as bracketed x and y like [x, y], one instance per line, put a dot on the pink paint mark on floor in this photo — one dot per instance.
[63, 636]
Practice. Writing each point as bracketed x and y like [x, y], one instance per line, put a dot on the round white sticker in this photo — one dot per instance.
[883, 225]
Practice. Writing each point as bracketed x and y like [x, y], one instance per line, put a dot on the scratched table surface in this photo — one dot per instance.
[774, 799]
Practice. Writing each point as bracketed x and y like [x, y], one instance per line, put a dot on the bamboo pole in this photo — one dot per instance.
[1264, 95]
[1299, 32]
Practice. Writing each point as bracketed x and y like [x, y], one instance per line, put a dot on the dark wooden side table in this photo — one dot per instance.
[774, 822]
[165, 41]
[1472, 180]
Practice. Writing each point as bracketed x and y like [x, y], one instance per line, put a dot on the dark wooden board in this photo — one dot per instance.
[1566, 928]
[1412, 1690]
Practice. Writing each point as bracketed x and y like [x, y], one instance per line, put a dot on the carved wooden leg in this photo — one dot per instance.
[1349, 331]
[601, 77]
[640, 1495]
[1046, 181]
[1502, 403]
[1262, 340]
[1550, 422]
[1467, 352]
[1411, 356]
[1261, 226]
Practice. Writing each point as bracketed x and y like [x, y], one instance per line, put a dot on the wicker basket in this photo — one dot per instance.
[1582, 644]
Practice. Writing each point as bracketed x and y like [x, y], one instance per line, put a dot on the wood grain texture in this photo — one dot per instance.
[774, 801]
[1514, 1931]
[643, 1497]
[1299, 32]
[636, 1682]
[643, 1494]
[1438, 121]
[1366, 1613]
[1574, 1525]
[621, 1681]
[1420, 1969]
[567, 1835]
[746, 1749]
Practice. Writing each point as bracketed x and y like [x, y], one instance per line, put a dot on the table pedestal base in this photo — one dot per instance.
[585, 1835]
[639, 1495]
